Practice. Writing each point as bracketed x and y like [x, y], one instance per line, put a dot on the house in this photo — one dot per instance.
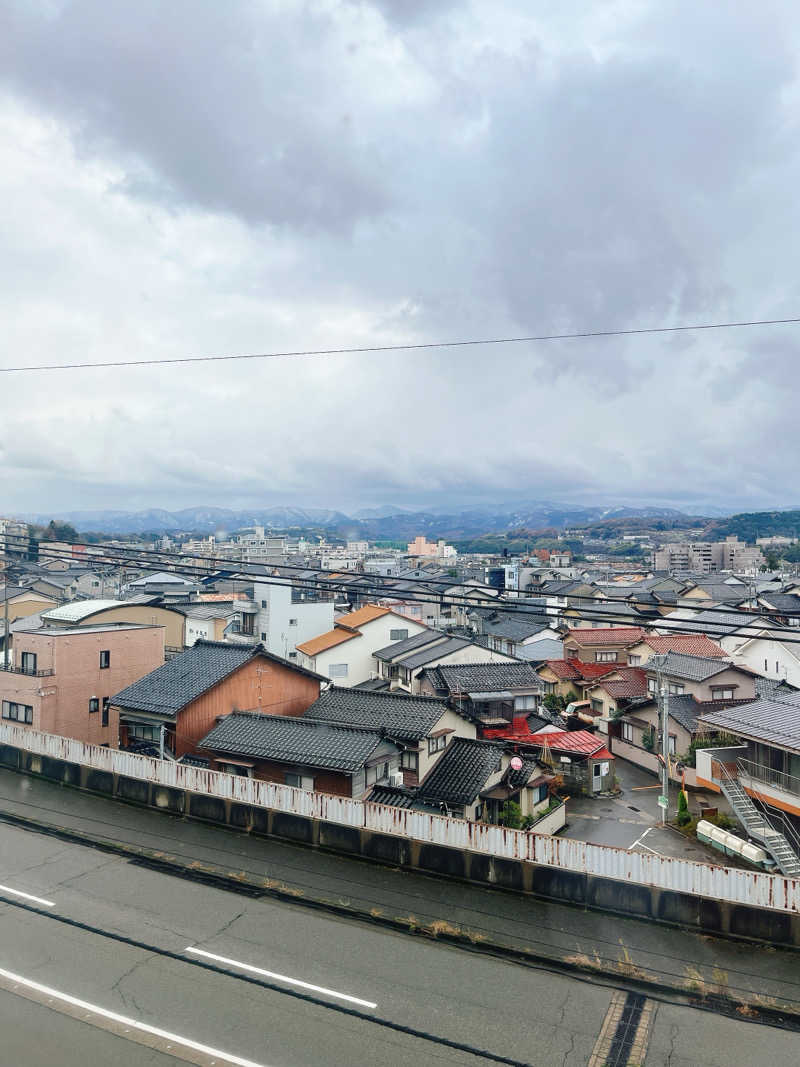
[510, 632]
[423, 727]
[167, 584]
[145, 611]
[569, 678]
[62, 680]
[401, 664]
[754, 641]
[579, 756]
[291, 614]
[344, 653]
[695, 684]
[605, 645]
[474, 780]
[539, 652]
[765, 760]
[611, 695]
[486, 693]
[324, 757]
[659, 644]
[221, 620]
[177, 704]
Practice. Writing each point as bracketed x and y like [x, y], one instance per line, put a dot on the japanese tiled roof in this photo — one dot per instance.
[575, 669]
[461, 771]
[483, 677]
[606, 635]
[399, 714]
[286, 739]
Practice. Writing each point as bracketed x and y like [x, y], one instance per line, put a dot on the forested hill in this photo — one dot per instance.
[752, 524]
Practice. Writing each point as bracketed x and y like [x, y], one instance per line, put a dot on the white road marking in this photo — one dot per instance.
[26, 896]
[640, 841]
[113, 1016]
[281, 977]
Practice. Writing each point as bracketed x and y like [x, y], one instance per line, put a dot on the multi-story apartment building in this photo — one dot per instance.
[61, 680]
[705, 557]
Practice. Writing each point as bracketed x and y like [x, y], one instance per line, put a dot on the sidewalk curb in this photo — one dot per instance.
[697, 993]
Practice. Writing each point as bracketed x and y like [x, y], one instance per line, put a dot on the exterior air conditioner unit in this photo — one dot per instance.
[396, 779]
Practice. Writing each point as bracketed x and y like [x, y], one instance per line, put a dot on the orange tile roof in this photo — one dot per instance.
[368, 613]
[691, 644]
[326, 641]
[607, 635]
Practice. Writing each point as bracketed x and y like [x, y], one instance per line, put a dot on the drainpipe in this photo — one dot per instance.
[161, 741]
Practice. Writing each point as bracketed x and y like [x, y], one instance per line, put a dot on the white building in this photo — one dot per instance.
[344, 653]
[287, 616]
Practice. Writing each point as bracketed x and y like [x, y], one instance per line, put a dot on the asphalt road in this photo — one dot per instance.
[97, 969]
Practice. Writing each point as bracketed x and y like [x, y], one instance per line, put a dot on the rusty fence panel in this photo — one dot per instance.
[685, 876]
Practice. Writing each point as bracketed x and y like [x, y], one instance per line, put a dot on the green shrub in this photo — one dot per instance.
[511, 815]
[683, 809]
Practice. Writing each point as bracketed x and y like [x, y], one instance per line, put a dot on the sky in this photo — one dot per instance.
[197, 178]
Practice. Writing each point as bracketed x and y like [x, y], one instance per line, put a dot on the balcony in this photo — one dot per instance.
[775, 784]
[27, 673]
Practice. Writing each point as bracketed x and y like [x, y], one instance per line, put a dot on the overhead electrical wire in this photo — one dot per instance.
[145, 562]
[144, 559]
[366, 349]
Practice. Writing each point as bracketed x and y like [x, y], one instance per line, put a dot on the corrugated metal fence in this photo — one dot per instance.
[721, 883]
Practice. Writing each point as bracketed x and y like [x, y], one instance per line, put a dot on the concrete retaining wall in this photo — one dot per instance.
[582, 889]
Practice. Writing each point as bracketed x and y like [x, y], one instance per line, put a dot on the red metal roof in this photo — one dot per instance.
[580, 742]
[570, 669]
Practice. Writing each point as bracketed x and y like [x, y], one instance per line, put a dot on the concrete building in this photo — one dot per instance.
[705, 557]
[344, 653]
[62, 680]
[420, 546]
[288, 616]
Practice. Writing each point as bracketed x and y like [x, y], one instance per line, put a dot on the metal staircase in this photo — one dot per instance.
[770, 828]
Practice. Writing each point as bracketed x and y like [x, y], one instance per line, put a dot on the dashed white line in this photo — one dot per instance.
[27, 896]
[134, 1024]
[281, 977]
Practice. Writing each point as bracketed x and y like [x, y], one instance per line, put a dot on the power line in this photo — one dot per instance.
[719, 630]
[360, 350]
[372, 586]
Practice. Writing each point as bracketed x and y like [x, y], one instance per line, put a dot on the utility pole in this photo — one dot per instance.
[663, 690]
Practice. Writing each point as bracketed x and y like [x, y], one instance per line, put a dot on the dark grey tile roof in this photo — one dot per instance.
[461, 771]
[685, 710]
[771, 687]
[516, 628]
[434, 652]
[483, 677]
[400, 648]
[396, 796]
[692, 668]
[400, 715]
[722, 623]
[519, 778]
[187, 676]
[284, 739]
[374, 685]
[782, 602]
[774, 722]
[541, 651]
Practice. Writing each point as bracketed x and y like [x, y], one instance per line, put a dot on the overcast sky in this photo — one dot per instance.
[208, 178]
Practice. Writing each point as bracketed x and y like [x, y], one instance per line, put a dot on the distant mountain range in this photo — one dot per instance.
[381, 523]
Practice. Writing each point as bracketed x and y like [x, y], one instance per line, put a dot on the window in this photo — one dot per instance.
[541, 793]
[337, 670]
[722, 692]
[634, 661]
[143, 733]
[94, 705]
[29, 663]
[525, 703]
[263, 636]
[300, 781]
[652, 685]
[671, 743]
[263, 603]
[398, 635]
[409, 760]
[105, 660]
[436, 744]
[597, 706]
[293, 622]
[627, 732]
[106, 702]
[606, 657]
[676, 689]
[17, 712]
